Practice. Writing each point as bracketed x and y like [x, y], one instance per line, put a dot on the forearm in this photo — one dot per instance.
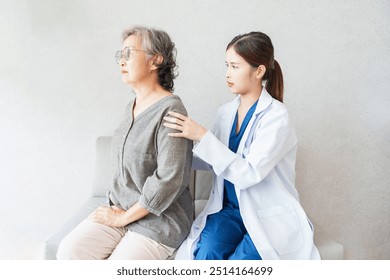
[134, 213]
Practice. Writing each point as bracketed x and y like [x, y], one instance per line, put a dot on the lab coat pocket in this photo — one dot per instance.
[282, 227]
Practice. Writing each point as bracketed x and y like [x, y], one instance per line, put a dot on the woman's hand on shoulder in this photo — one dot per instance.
[188, 128]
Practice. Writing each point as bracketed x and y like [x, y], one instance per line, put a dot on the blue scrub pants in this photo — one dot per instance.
[225, 238]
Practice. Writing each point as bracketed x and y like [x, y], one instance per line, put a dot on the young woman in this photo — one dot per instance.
[149, 210]
[253, 211]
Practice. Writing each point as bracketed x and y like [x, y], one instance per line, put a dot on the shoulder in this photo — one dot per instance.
[277, 116]
[278, 108]
[174, 102]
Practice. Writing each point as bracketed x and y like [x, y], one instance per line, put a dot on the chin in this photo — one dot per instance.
[125, 80]
[234, 91]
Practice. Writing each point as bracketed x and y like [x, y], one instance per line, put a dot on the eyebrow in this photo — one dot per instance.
[232, 62]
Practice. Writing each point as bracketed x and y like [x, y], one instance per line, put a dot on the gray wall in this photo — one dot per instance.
[60, 89]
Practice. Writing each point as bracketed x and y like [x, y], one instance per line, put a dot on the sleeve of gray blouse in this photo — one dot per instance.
[174, 156]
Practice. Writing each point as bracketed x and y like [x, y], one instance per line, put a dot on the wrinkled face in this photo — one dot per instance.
[137, 67]
[241, 76]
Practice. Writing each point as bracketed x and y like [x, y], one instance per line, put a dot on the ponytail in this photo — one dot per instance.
[274, 84]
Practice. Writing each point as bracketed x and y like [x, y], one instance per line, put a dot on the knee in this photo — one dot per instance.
[62, 252]
[209, 250]
[70, 249]
[65, 250]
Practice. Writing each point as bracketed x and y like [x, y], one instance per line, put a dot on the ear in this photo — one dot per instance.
[156, 60]
[260, 71]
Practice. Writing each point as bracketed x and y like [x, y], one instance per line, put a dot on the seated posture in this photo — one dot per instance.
[253, 211]
[149, 207]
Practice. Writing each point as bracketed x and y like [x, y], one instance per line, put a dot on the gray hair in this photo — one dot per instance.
[156, 41]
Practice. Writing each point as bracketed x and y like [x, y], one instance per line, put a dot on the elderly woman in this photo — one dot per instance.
[149, 208]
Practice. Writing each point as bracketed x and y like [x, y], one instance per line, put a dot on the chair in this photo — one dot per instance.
[200, 189]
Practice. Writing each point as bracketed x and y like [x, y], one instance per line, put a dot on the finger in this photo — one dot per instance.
[174, 120]
[97, 220]
[94, 218]
[102, 207]
[101, 211]
[177, 115]
[176, 135]
[174, 126]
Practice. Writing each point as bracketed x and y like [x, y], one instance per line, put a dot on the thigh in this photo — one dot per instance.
[220, 237]
[246, 250]
[135, 246]
[90, 240]
[225, 226]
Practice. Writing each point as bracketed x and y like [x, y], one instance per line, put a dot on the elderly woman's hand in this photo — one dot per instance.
[110, 216]
[188, 128]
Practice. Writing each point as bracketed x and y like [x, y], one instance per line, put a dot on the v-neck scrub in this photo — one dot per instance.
[230, 198]
[153, 169]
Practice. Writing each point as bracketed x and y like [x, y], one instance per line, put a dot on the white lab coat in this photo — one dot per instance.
[263, 173]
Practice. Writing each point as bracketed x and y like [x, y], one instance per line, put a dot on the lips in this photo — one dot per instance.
[229, 84]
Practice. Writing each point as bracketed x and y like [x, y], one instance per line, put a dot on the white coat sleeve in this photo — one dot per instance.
[198, 163]
[274, 138]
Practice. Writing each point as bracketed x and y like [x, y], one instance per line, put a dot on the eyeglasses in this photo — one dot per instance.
[126, 53]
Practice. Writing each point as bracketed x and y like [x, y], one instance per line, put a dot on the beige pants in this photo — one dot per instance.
[94, 241]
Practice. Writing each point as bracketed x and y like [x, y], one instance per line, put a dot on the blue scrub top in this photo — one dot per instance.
[230, 198]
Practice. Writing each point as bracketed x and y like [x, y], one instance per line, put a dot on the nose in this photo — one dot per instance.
[227, 74]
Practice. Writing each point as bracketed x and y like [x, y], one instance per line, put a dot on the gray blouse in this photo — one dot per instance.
[153, 169]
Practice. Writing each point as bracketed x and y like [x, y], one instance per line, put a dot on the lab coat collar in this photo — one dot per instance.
[265, 100]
